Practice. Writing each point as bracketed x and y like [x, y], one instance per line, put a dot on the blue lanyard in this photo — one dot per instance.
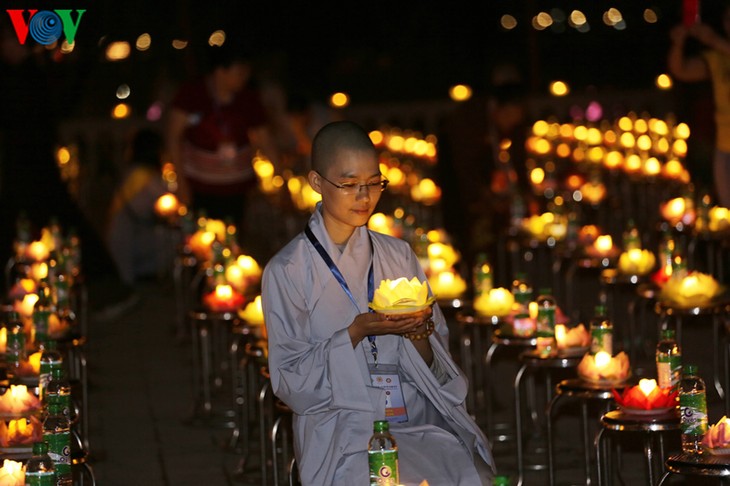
[343, 283]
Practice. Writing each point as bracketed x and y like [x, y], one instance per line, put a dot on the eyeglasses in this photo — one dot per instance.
[352, 188]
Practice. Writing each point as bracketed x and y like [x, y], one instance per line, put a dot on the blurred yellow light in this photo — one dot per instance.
[679, 147]
[643, 142]
[121, 110]
[650, 16]
[117, 51]
[641, 126]
[595, 154]
[662, 146]
[376, 136]
[563, 150]
[339, 100]
[580, 133]
[508, 22]
[614, 15]
[460, 92]
[681, 131]
[277, 181]
[632, 163]
[537, 176]
[609, 136]
[625, 124]
[540, 128]
[217, 38]
[566, 130]
[179, 44]
[505, 144]
[594, 136]
[67, 48]
[544, 20]
[559, 88]
[396, 143]
[660, 127]
[536, 25]
[577, 17]
[652, 166]
[409, 145]
[396, 176]
[63, 155]
[144, 41]
[627, 140]
[663, 81]
[613, 160]
[431, 150]
[263, 168]
[542, 146]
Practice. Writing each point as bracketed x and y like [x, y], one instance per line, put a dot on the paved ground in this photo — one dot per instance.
[141, 399]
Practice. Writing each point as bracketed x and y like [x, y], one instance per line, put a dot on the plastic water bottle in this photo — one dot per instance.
[693, 410]
[522, 292]
[57, 433]
[601, 331]
[15, 346]
[482, 276]
[50, 359]
[501, 481]
[40, 471]
[546, 344]
[58, 392]
[42, 312]
[383, 456]
[668, 361]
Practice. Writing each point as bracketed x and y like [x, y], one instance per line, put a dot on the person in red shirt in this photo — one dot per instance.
[215, 126]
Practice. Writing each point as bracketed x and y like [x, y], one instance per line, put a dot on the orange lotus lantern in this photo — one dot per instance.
[576, 337]
[678, 210]
[602, 247]
[646, 396]
[39, 271]
[12, 473]
[37, 251]
[593, 192]
[21, 432]
[604, 368]
[223, 299]
[443, 251]
[25, 307]
[3, 339]
[167, 205]
[18, 400]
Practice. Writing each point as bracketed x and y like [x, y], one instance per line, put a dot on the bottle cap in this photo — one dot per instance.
[501, 481]
[381, 426]
[689, 369]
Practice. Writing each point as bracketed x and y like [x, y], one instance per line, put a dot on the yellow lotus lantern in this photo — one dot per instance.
[58, 327]
[593, 192]
[696, 289]
[447, 284]
[12, 473]
[545, 225]
[636, 262]
[245, 271]
[602, 247]
[719, 219]
[21, 432]
[38, 271]
[497, 302]
[25, 307]
[401, 295]
[253, 313]
[167, 205]
[604, 368]
[442, 251]
[576, 337]
[382, 223]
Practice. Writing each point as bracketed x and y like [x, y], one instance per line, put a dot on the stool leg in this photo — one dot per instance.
[206, 368]
[664, 478]
[466, 362]
[649, 455]
[518, 426]
[599, 453]
[549, 413]
[716, 355]
[586, 440]
[491, 429]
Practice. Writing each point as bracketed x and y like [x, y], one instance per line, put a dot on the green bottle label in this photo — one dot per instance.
[693, 412]
[546, 322]
[40, 322]
[40, 478]
[59, 450]
[669, 370]
[602, 340]
[63, 400]
[383, 468]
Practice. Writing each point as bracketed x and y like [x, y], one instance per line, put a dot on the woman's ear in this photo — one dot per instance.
[315, 180]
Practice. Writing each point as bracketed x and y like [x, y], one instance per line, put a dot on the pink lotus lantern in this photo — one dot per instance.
[717, 437]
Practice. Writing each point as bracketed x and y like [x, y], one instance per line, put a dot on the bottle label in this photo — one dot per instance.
[40, 478]
[63, 400]
[383, 468]
[669, 370]
[523, 326]
[59, 450]
[602, 340]
[693, 412]
[546, 322]
[40, 321]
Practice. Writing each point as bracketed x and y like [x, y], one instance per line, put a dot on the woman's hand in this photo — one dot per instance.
[375, 324]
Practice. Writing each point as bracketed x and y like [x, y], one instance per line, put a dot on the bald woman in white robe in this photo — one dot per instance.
[319, 354]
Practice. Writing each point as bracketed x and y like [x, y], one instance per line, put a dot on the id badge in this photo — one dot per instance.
[386, 378]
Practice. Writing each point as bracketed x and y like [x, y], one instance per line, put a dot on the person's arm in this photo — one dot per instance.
[176, 124]
[410, 326]
[688, 69]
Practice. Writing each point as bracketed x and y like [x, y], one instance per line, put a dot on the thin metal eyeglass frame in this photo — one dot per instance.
[383, 183]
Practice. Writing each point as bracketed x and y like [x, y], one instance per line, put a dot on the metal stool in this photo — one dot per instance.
[705, 465]
[651, 426]
[585, 392]
[532, 361]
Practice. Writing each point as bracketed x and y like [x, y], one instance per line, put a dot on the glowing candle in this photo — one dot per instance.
[253, 313]
[603, 244]
[532, 308]
[560, 335]
[647, 386]
[26, 306]
[39, 271]
[602, 359]
[12, 473]
[167, 205]
[37, 251]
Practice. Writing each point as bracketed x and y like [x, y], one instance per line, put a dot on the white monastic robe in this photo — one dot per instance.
[315, 370]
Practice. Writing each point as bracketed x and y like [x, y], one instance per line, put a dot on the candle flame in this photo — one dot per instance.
[647, 386]
[223, 291]
[603, 243]
[560, 334]
[532, 308]
[602, 359]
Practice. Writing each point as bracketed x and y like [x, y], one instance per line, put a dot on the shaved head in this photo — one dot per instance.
[335, 137]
